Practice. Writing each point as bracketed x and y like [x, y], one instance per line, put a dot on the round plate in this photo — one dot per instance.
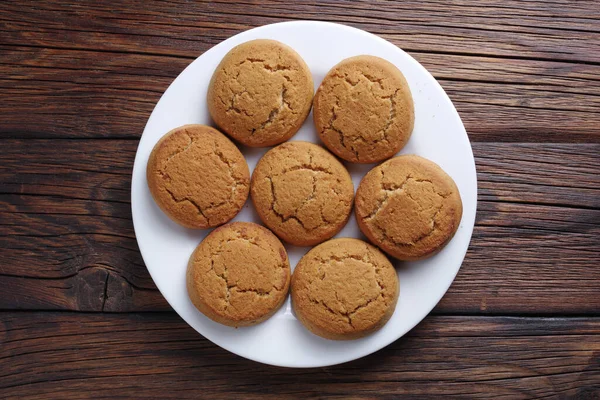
[438, 135]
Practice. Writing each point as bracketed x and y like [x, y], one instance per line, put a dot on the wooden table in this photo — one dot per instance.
[80, 316]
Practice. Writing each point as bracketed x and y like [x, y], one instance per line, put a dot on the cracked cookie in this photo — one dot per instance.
[344, 289]
[198, 177]
[409, 207]
[363, 110]
[239, 275]
[302, 193]
[261, 93]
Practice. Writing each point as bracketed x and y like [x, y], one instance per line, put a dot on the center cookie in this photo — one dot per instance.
[302, 193]
[261, 93]
[363, 110]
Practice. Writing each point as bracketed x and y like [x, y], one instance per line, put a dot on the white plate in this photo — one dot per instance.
[438, 135]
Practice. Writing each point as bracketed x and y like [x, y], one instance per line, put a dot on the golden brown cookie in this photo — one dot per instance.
[261, 93]
[198, 177]
[344, 289]
[409, 207]
[363, 110]
[239, 275]
[302, 193]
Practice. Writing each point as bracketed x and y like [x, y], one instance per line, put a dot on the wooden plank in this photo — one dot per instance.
[67, 239]
[67, 235]
[550, 30]
[144, 356]
[520, 101]
[72, 93]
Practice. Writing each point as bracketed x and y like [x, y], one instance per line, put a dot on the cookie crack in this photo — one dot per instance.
[162, 172]
[279, 68]
[224, 275]
[271, 68]
[348, 315]
[378, 274]
[343, 258]
[395, 189]
[391, 117]
[259, 293]
[275, 69]
[274, 112]
[346, 78]
[372, 79]
[230, 166]
[223, 159]
[311, 196]
[368, 77]
[189, 200]
[285, 102]
[250, 60]
[330, 310]
[232, 106]
[282, 217]
[389, 122]
[234, 239]
[315, 169]
[386, 196]
[351, 314]
[339, 131]
[305, 167]
[322, 213]
[418, 239]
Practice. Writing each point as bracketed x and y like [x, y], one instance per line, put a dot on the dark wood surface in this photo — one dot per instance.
[156, 355]
[79, 314]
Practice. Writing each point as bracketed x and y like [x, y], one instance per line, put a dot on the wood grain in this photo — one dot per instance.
[71, 79]
[144, 356]
[68, 244]
[493, 27]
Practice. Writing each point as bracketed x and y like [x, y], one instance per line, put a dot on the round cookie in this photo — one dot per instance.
[239, 275]
[409, 207]
[261, 93]
[198, 177]
[302, 193]
[344, 289]
[363, 110]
